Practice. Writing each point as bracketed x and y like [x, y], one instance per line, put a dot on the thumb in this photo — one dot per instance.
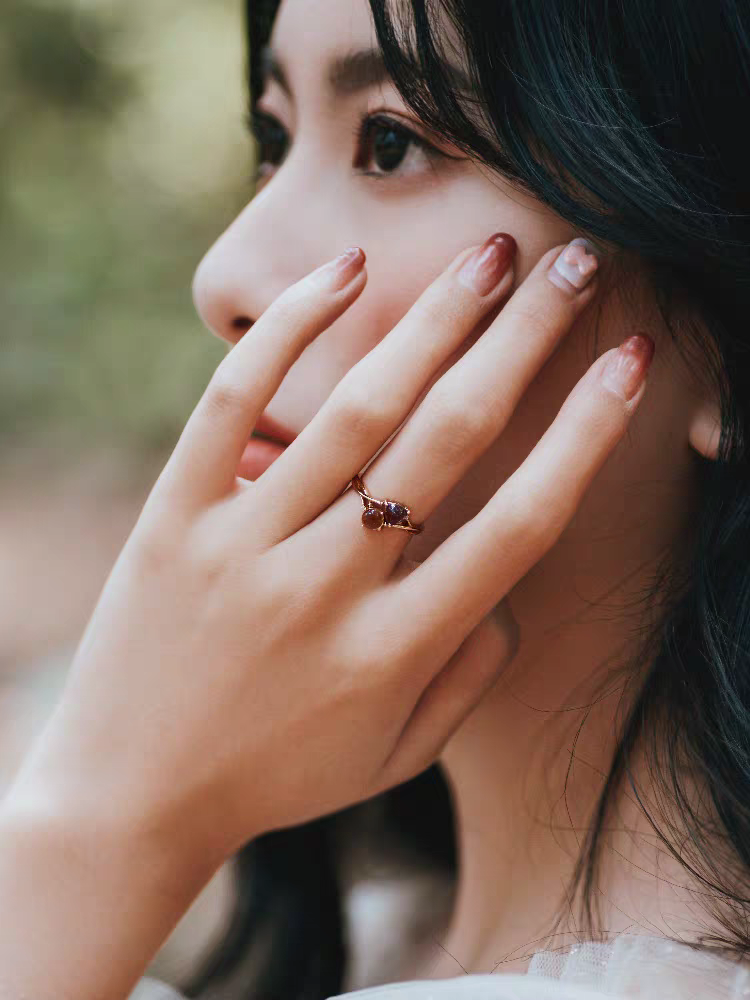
[455, 692]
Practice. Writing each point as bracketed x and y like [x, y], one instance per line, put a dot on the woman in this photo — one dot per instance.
[559, 631]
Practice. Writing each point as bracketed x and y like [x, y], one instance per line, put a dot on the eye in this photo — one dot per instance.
[271, 138]
[378, 138]
[387, 143]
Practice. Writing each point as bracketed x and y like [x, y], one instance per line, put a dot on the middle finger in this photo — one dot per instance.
[375, 396]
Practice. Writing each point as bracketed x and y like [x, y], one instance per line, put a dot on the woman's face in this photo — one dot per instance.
[412, 210]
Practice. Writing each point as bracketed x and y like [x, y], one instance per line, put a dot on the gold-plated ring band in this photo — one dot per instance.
[379, 514]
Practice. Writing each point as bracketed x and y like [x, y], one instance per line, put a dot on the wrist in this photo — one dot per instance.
[85, 903]
[68, 784]
[60, 806]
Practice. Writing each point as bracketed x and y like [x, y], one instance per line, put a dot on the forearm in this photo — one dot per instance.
[83, 910]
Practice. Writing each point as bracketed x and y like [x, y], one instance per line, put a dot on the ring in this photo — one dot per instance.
[380, 514]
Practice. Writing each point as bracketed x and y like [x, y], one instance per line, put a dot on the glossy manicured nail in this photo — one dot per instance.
[575, 265]
[345, 268]
[487, 265]
[627, 368]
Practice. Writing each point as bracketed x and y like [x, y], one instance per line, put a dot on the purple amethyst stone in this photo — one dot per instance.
[395, 513]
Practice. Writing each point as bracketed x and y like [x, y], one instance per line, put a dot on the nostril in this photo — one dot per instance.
[242, 323]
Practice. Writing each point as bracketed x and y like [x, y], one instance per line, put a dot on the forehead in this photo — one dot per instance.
[309, 32]
[333, 43]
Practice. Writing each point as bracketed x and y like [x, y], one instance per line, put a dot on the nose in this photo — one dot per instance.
[237, 278]
[262, 252]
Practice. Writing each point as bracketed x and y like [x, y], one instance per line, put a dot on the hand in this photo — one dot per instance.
[258, 657]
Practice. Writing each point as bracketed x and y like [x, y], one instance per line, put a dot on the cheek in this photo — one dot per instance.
[393, 286]
[390, 292]
[402, 261]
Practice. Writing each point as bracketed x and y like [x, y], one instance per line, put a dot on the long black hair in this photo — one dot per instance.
[629, 120]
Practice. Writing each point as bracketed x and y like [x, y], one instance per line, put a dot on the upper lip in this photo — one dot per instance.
[271, 429]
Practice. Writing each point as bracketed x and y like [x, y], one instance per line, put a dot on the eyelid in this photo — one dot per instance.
[440, 144]
[258, 108]
[374, 106]
[369, 120]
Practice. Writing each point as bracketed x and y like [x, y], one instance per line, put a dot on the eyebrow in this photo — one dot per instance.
[351, 73]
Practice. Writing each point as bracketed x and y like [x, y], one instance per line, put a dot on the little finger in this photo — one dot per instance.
[478, 564]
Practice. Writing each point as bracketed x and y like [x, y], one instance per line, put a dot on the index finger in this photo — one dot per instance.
[204, 463]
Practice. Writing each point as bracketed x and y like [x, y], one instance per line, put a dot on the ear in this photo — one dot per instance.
[705, 426]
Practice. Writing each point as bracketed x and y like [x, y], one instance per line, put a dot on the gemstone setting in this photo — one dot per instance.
[395, 513]
[380, 514]
[373, 518]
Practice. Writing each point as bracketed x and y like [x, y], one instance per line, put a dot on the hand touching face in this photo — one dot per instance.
[412, 208]
[290, 667]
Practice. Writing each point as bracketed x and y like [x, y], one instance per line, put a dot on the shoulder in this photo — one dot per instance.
[480, 987]
[643, 966]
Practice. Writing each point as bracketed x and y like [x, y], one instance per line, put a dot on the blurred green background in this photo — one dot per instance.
[122, 156]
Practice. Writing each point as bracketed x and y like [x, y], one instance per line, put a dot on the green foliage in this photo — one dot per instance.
[49, 61]
[122, 157]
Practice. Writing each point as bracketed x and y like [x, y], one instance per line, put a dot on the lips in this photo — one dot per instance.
[272, 429]
[261, 452]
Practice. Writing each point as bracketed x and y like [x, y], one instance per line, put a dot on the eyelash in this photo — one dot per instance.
[361, 134]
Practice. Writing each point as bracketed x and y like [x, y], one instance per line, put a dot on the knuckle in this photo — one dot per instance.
[156, 548]
[224, 395]
[455, 440]
[293, 304]
[363, 666]
[434, 310]
[281, 603]
[374, 641]
[458, 428]
[360, 411]
[208, 552]
[533, 319]
[531, 517]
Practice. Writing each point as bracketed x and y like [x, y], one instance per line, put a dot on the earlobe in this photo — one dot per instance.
[704, 430]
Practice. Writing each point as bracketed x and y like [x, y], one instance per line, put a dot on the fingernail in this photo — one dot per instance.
[626, 370]
[576, 264]
[345, 268]
[486, 266]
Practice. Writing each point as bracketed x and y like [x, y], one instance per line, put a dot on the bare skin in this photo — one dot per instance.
[577, 607]
[187, 726]
[235, 676]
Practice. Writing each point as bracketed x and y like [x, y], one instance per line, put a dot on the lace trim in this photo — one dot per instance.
[631, 966]
[640, 964]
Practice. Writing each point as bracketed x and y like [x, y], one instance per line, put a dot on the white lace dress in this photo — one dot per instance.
[631, 966]
[394, 909]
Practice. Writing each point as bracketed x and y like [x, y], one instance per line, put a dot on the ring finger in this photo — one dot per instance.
[469, 406]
